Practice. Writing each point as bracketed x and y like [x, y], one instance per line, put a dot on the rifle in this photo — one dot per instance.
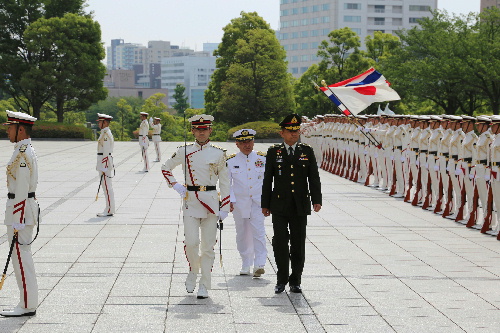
[333, 160]
[220, 226]
[99, 188]
[473, 214]
[410, 185]
[489, 211]
[428, 195]
[393, 185]
[14, 240]
[460, 214]
[356, 172]
[419, 187]
[440, 195]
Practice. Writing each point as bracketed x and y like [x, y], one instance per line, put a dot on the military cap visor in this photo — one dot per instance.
[201, 121]
[19, 118]
[291, 122]
[244, 135]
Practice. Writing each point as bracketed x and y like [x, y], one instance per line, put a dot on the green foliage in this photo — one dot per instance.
[181, 100]
[53, 130]
[154, 105]
[381, 45]
[264, 129]
[251, 81]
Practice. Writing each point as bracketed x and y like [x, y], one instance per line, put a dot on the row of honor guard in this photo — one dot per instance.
[446, 164]
[154, 123]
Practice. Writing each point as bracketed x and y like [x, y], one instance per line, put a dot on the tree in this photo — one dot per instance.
[181, 100]
[226, 51]
[381, 45]
[309, 101]
[17, 63]
[73, 61]
[124, 113]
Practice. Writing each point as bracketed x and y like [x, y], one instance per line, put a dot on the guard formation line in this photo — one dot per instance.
[446, 164]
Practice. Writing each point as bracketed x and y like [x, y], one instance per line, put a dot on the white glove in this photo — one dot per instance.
[417, 162]
[368, 129]
[471, 175]
[360, 128]
[392, 157]
[181, 189]
[18, 226]
[448, 168]
[403, 159]
[427, 166]
[365, 152]
[436, 167]
[458, 172]
[487, 176]
[375, 155]
[222, 215]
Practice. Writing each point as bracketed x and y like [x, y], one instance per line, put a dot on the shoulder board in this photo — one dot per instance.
[261, 153]
[230, 156]
[277, 145]
[219, 147]
[305, 145]
[187, 144]
[23, 148]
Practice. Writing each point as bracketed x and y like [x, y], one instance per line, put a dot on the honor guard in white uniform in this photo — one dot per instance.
[246, 173]
[156, 126]
[144, 140]
[22, 212]
[482, 160]
[105, 165]
[204, 165]
[495, 174]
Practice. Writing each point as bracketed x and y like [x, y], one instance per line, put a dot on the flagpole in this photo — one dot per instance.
[372, 139]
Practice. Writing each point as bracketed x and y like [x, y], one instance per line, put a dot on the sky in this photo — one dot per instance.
[190, 23]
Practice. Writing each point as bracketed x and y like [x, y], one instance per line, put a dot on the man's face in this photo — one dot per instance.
[245, 146]
[11, 132]
[494, 127]
[201, 134]
[290, 137]
[143, 117]
[103, 123]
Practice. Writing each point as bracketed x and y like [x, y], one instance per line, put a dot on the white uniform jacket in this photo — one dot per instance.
[206, 165]
[246, 174]
[105, 145]
[143, 133]
[22, 178]
[156, 131]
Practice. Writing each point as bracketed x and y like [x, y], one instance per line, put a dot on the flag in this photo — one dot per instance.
[357, 93]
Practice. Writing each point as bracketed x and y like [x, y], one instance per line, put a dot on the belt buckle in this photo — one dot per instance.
[203, 188]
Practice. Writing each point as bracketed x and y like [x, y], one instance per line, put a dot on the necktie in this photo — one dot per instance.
[290, 151]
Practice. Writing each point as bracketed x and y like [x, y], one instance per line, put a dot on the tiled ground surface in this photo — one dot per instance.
[373, 263]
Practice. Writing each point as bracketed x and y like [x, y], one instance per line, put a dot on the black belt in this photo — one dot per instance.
[398, 147]
[423, 150]
[454, 156]
[13, 195]
[102, 154]
[201, 188]
[445, 154]
[356, 140]
[468, 159]
[434, 152]
[483, 161]
[414, 149]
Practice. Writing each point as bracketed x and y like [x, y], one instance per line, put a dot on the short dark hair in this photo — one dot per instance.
[27, 128]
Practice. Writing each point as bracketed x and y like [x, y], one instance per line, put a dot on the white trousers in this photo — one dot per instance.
[431, 162]
[157, 149]
[400, 182]
[145, 157]
[251, 236]
[24, 268]
[200, 237]
[482, 189]
[455, 181]
[109, 194]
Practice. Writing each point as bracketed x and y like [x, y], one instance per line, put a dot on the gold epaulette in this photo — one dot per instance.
[230, 156]
[305, 144]
[23, 148]
[187, 144]
[218, 147]
[261, 153]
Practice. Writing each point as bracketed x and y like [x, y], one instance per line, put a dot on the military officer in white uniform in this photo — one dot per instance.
[105, 165]
[22, 211]
[156, 126]
[246, 173]
[204, 165]
[144, 140]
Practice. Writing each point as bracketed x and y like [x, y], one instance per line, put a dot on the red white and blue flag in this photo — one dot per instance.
[357, 93]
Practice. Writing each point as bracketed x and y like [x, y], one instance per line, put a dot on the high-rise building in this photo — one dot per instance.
[193, 72]
[111, 54]
[305, 23]
[487, 4]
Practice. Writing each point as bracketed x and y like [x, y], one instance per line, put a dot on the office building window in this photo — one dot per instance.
[314, 45]
[355, 6]
[357, 31]
[315, 20]
[325, 19]
[294, 47]
[414, 8]
[397, 9]
[314, 57]
[325, 32]
[284, 36]
[397, 21]
[304, 57]
[379, 9]
[295, 58]
[303, 69]
[314, 33]
[352, 18]
[283, 2]
[379, 21]
[295, 11]
[284, 12]
[285, 24]
[305, 10]
[304, 46]
[304, 34]
[315, 8]
[325, 6]
[304, 22]
[414, 19]
[294, 70]
[295, 34]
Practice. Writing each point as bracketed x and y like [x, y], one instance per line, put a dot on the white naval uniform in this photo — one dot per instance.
[105, 167]
[144, 143]
[206, 165]
[246, 174]
[495, 181]
[156, 138]
[22, 178]
[482, 168]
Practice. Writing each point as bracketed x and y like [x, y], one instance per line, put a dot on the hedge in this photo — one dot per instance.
[52, 130]
[264, 129]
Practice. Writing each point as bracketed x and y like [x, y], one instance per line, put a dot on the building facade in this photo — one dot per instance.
[305, 23]
[193, 72]
[487, 4]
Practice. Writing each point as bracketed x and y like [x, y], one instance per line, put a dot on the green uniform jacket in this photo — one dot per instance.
[296, 181]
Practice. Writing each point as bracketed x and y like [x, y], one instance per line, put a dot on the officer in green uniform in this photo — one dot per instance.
[293, 169]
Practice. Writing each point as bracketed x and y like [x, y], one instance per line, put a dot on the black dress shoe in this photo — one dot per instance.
[296, 289]
[279, 288]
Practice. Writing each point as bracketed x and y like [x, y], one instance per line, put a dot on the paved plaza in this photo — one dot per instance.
[373, 263]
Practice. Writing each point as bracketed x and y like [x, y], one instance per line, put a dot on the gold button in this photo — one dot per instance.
[291, 175]
[248, 169]
[293, 191]
[250, 186]
[250, 195]
[292, 184]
